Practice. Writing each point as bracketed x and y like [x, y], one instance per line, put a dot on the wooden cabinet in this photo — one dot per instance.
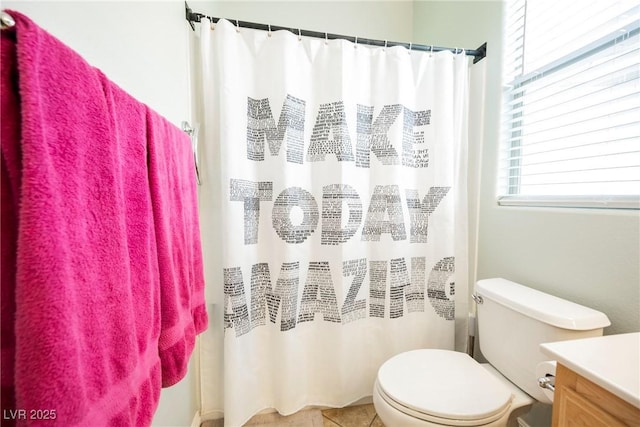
[579, 402]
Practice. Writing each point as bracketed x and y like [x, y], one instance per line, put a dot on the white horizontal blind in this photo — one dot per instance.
[571, 111]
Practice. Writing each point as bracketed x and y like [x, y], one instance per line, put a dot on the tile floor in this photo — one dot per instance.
[351, 416]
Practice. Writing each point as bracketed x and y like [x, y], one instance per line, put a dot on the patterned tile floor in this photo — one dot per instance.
[351, 416]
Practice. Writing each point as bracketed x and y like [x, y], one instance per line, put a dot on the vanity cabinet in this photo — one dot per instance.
[580, 402]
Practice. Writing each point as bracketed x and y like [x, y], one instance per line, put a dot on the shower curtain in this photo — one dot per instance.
[333, 212]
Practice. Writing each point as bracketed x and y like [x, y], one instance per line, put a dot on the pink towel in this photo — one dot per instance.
[81, 295]
[175, 209]
[10, 186]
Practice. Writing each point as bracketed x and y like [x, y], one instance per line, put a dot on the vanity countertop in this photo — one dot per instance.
[611, 361]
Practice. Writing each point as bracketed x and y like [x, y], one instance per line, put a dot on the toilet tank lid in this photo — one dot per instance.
[541, 306]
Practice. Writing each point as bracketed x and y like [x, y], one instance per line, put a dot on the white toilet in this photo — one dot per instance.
[433, 387]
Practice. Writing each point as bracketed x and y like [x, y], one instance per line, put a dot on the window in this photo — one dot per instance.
[571, 106]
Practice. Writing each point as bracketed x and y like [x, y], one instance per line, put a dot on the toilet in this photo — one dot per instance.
[433, 387]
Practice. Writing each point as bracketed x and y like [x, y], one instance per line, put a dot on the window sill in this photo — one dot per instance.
[591, 202]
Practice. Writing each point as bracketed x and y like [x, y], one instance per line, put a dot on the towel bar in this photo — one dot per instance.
[7, 20]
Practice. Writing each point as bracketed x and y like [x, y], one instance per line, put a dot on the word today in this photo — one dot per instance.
[384, 216]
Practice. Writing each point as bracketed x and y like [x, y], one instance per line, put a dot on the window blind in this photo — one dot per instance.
[571, 106]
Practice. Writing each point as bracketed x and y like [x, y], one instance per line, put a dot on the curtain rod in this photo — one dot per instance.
[477, 54]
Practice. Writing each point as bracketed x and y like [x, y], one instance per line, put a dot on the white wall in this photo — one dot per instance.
[142, 46]
[588, 256]
[391, 20]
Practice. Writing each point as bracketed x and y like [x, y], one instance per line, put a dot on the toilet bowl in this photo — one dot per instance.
[444, 388]
[434, 387]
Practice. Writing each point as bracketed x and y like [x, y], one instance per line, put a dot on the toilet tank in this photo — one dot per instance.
[513, 320]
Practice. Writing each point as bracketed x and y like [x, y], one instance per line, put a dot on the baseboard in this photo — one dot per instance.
[212, 418]
[364, 401]
[197, 420]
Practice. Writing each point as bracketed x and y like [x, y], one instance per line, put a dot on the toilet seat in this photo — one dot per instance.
[442, 387]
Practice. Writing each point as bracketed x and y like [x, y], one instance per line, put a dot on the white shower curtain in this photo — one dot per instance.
[333, 213]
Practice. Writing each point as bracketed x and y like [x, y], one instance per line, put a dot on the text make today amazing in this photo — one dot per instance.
[330, 136]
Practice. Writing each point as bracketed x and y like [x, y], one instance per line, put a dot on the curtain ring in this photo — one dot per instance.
[410, 46]
[237, 26]
[269, 34]
[355, 46]
[299, 35]
[326, 38]
[431, 51]
[385, 45]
